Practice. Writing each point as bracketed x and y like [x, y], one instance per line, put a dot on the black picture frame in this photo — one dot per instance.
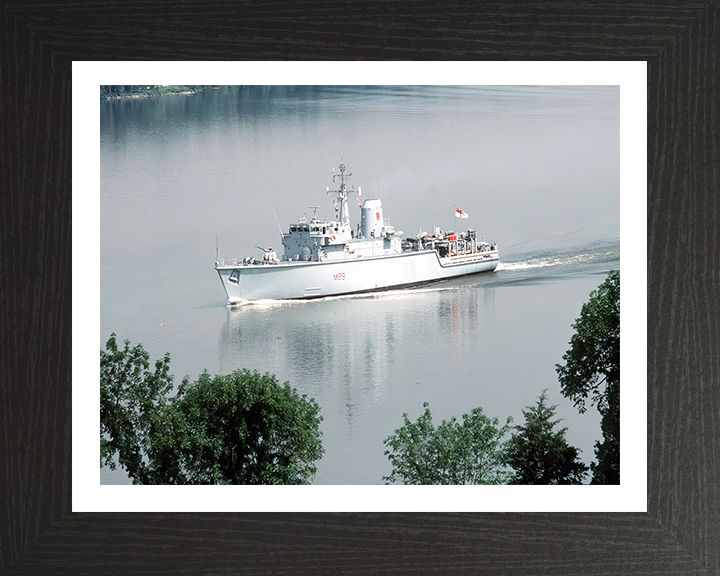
[680, 532]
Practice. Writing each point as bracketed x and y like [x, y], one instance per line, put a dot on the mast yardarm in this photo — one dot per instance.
[343, 193]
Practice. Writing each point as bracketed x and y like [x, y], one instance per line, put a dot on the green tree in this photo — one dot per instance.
[241, 428]
[245, 428]
[606, 469]
[467, 452]
[132, 405]
[541, 455]
[591, 372]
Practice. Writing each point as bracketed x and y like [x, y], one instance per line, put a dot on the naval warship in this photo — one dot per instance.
[329, 258]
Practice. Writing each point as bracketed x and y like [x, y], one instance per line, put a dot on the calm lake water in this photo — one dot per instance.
[536, 168]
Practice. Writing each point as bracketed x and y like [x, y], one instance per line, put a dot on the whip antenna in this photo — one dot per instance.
[275, 215]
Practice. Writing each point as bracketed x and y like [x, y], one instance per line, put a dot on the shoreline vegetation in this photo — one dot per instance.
[123, 91]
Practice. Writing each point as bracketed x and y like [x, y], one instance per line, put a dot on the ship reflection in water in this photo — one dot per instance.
[360, 357]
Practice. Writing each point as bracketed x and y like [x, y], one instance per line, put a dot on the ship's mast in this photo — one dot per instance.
[343, 193]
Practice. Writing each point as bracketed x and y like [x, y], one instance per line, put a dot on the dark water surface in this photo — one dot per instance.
[536, 168]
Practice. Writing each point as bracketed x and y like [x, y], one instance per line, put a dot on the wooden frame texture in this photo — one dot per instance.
[680, 533]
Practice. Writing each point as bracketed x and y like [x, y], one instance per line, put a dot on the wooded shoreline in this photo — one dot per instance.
[122, 91]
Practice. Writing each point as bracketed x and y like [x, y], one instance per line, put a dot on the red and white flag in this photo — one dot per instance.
[459, 213]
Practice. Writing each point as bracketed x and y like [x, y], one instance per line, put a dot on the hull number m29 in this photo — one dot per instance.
[339, 276]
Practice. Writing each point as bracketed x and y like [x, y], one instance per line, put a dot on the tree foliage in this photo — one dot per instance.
[467, 452]
[132, 404]
[591, 370]
[606, 468]
[241, 428]
[592, 364]
[541, 455]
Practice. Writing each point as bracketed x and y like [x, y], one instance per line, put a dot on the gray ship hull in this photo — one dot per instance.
[304, 280]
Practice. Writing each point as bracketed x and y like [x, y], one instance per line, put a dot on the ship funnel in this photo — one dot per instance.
[371, 219]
